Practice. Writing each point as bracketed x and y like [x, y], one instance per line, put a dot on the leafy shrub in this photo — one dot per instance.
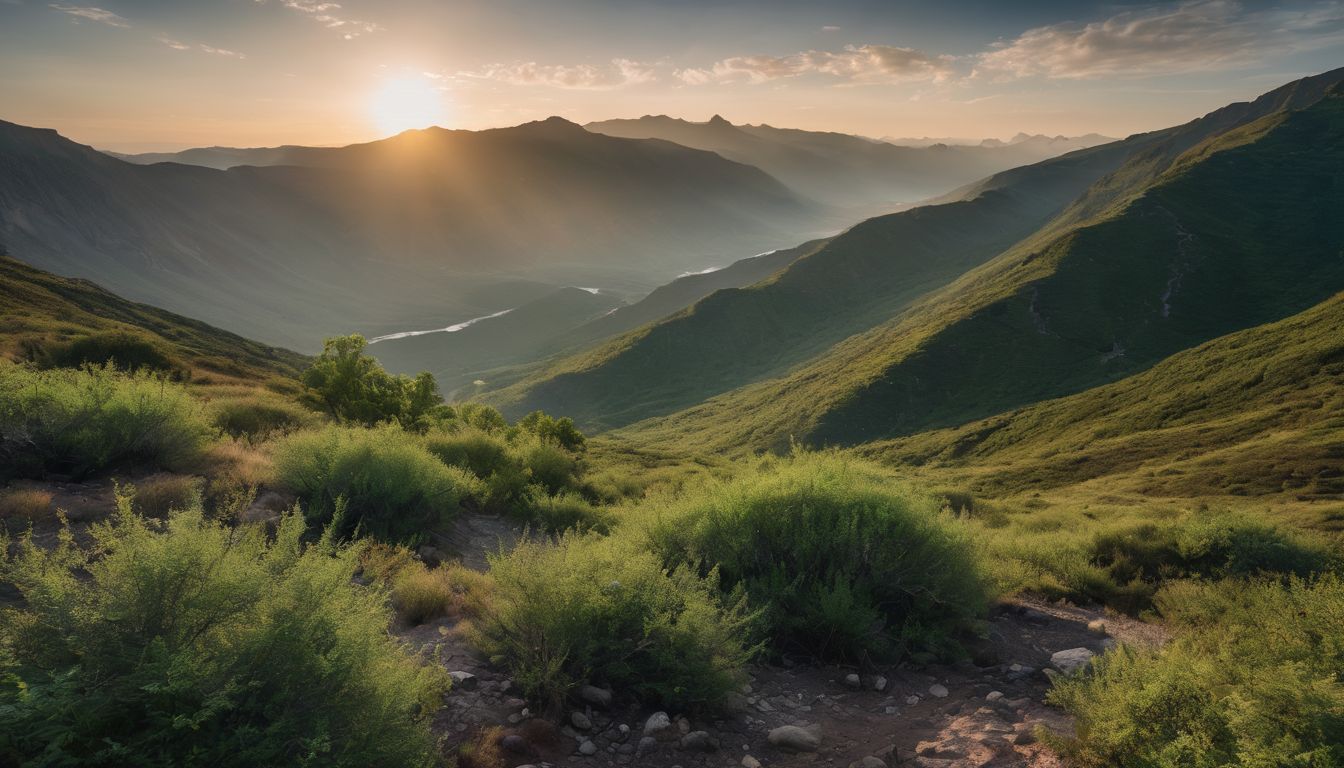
[158, 494]
[1253, 679]
[565, 510]
[196, 645]
[125, 350]
[392, 487]
[550, 466]
[476, 450]
[595, 609]
[258, 416]
[355, 388]
[79, 421]
[842, 565]
[549, 429]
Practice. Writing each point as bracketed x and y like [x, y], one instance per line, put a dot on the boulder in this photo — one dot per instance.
[587, 748]
[463, 680]
[938, 691]
[580, 720]
[657, 723]
[1071, 660]
[598, 697]
[699, 741]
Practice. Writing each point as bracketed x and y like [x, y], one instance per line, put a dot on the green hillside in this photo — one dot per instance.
[42, 315]
[1238, 229]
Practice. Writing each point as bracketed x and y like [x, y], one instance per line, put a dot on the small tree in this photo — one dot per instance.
[354, 387]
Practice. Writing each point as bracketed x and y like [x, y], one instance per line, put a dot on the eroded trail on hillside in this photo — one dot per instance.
[984, 711]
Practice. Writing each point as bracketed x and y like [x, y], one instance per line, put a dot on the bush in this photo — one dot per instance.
[26, 505]
[548, 429]
[550, 466]
[391, 486]
[258, 416]
[125, 350]
[198, 645]
[355, 388]
[841, 565]
[479, 452]
[76, 422]
[566, 510]
[1253, 679]
[158, 494]
[594, 609]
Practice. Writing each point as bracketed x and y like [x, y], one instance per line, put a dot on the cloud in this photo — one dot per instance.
[175, 45]
[326, 14]
[1192, 36]
[588, 77]
[854, 64]
[830, 28]
[92, 14]
[180, 46]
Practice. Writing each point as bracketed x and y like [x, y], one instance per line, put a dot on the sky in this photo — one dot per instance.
[148, 75]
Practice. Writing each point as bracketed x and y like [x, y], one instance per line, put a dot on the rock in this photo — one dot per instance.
[580, 720]
[587, 748]
[796, 738]
[868, 762]
[463, 680]
[683, 725]
[879, 683]
[515, 744]
[993, 695]
[911, 700]
[938, 691]
[699, 741]
[1071, 660]
[598, 697]
[852, 680]
[1097, 625]
[937, 750]
[657, 723]
[646, 745]
[750, 762]
[1023, 738]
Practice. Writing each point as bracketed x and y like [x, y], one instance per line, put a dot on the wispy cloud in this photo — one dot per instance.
[329, 15]
[1193, 36]
[91, 13]
[854, 64]
[202, 47]
[617, 74]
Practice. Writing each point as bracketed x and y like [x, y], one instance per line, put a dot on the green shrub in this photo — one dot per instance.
[474, 449]
[391, 486]
[842, 565]
[1252, 679]
[79, 421]
[550, 466]
[258, 416]
[596, 609]
[125, 350]
[193, 644]
[355, 388]
[548, 429]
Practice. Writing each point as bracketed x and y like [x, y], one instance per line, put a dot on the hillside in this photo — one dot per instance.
[1224, 224]
[41, 314]
[369, 235]
[840, 169]
[1254, 413]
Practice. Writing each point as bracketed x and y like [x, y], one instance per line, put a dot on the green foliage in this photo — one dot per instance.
[354, 387]
[1253, 680]
[390, 486]
[549, 429]
[193, 644]
[842, 564]
[125, 350]
[596, 609]
[80, 421]
[476, 450]
[258, 416]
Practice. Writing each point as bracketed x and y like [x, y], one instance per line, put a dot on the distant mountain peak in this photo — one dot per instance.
[717, 120]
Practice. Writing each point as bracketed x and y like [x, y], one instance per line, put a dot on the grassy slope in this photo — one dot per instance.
[39, 309]
[855, 281]
[1074, 307]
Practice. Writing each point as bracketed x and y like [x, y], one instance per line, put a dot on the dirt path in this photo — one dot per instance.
[977, 713]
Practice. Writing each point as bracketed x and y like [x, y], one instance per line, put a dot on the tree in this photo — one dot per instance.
[354, 387]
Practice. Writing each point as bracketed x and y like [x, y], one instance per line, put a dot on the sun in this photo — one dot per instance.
[402, 103]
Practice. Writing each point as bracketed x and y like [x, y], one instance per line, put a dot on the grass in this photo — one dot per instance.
[258, 415]
[387, 484]
[1252, 679]
[25, 505]
[79, 421]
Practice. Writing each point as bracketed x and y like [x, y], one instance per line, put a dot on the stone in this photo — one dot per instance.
[587, 748]
[463, 680]
[1071, 660]
[868, 762]
[1097, 625]
[796, 738]
[657, 723]
[938, 691]
[993, 695]
[580, 720]
[750, 762]
[683, 725]
[646, 745]
[879, 683]
[852, 680]
[699, 741]
[911, 700]
[598, 697]
[515, 744]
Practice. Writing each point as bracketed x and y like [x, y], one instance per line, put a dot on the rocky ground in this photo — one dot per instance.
[982, 712]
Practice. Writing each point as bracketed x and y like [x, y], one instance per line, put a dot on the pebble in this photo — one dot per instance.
[657, 723]
[938, 691]
[699, 741]
[796, 738]
[580, 720]
[588, 748]
[879, 684]
[852, 680]
[750, 762]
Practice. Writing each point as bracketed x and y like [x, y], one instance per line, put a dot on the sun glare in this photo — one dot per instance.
[406, 102]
